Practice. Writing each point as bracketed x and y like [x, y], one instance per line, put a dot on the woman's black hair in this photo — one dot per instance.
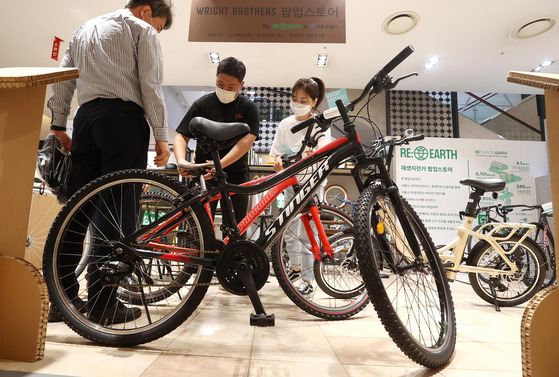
[313, 86]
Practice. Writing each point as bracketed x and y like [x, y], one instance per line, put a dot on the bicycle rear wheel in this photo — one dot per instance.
[411, 294]
[44, 209]
[154, 205]
[121, 298]
[337, 291]
[514, 289]
[545, 240]
[336, 196]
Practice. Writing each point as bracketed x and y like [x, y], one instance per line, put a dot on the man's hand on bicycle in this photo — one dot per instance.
[283, 161]
[278, 166]
[190, 170]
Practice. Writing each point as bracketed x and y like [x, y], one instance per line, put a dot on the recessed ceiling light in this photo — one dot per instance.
[214, 57]
[400, 23]
[434, 60]
[431, 63]
[322, 60]
[533, 27]
[543, 65]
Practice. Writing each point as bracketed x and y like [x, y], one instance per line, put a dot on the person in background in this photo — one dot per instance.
[119, 96]
[226, 104]
[306, 95]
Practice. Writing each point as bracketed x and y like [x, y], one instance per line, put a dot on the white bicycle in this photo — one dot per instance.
[505, 267]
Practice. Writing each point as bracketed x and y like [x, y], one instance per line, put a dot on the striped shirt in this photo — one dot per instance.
[118, 56]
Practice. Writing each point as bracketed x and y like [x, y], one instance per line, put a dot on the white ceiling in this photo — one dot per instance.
[473, 39]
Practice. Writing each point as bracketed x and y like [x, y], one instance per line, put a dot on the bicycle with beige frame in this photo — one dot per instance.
[505, 267]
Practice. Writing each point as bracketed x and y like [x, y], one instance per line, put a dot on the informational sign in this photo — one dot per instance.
[333, 96]
[428, 174]
[285, 21]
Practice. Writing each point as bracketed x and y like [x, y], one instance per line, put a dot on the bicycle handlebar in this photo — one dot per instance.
[380, 81]
[396, 61]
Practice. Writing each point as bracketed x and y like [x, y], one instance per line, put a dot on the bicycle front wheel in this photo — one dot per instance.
[326, 286]
[411, 292]
[124, 292]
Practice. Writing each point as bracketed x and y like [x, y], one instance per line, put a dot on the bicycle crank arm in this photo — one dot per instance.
[260, 319]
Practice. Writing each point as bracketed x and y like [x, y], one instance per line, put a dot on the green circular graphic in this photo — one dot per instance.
[421, 153]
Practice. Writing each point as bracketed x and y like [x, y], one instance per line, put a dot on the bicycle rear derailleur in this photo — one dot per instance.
[242, 268]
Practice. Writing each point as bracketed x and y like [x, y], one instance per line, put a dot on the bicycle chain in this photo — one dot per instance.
[161, 285]
[166, 285]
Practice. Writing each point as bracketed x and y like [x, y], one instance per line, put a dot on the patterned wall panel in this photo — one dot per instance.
[273, 104]
[429, 113]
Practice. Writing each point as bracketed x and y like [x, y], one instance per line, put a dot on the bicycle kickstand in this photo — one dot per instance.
[492, 284]
[260, 319]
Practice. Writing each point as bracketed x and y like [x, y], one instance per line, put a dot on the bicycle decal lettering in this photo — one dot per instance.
[304, 191]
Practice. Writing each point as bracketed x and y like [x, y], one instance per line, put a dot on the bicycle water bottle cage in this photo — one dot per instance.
[212, 135]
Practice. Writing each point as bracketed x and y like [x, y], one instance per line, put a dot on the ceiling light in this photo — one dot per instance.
[322, 60]
[400, 23]
[434, 60]
[543, 65]
[533, 27]
[214, 57]
[431, 63]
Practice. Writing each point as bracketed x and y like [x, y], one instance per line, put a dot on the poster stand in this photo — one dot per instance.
[539, 327]
[23, 292]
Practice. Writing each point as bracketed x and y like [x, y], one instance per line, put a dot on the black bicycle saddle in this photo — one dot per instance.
[216, 131]
[484, 184]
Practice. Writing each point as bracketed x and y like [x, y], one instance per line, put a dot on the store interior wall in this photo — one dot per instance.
[179, 99]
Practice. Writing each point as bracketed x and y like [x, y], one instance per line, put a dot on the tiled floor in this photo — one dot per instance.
[218, 341]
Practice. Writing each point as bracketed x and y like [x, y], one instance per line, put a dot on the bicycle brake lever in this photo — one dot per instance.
[394, 83]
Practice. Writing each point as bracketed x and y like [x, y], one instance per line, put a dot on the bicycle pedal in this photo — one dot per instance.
[262, 320]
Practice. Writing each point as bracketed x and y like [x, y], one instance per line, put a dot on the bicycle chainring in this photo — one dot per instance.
[242, 252]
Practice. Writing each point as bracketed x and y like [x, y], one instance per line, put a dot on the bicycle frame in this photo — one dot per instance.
[267, 200]
[332, 155]
[452, 262]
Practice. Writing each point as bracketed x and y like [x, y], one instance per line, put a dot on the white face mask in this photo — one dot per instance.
[225, 96]
[299, 109]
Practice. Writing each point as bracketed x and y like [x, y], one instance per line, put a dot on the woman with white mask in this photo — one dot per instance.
[306, 96]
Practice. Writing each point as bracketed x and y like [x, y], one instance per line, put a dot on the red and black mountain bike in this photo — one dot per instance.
[160, 266]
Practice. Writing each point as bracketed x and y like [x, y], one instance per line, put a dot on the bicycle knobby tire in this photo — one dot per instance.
[411, 295]
[158, 294]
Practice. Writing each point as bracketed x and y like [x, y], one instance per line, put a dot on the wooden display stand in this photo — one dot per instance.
[23, 292]
[540, 323]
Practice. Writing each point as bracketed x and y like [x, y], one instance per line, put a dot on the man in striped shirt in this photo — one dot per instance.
[119, 96]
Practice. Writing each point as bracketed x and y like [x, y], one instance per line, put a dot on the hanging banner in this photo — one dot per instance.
[55, 48]
[428, 174]
[281, 21]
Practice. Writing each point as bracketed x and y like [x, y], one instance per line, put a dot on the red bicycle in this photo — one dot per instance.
[160, 269]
